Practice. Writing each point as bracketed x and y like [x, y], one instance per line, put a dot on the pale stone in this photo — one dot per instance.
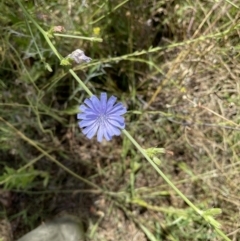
[67, 228]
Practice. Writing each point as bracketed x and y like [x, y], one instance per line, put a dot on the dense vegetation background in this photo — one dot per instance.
[174, 64]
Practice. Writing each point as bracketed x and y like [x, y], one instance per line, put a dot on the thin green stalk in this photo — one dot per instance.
[198, 211]
[233, 4]
[161, 173]
[78, 37]
[34, 42]
[80, 82]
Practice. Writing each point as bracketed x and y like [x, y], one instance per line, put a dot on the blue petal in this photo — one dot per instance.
[106, 134]
[85, 109]
[85, 123]
[114, 130]
[90, 131]
[92, 103]
[116, 118]
[100, 134]
[117, 122]
[118, 109]
[88, 102]
[103, 101]
[111, 129]
[110, 103]
[82, 108]
[96, 103]
[84, 116]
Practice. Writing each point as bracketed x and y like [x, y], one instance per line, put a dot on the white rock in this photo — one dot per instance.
[66, 228]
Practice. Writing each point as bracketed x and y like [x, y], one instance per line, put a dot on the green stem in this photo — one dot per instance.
[80, 82]
[78, 37]
[161, 173]
[198, 211]
[223, 235]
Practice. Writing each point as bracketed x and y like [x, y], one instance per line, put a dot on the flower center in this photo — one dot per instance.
[101, 118]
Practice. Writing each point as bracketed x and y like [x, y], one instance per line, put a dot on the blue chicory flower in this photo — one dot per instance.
[101, 116]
